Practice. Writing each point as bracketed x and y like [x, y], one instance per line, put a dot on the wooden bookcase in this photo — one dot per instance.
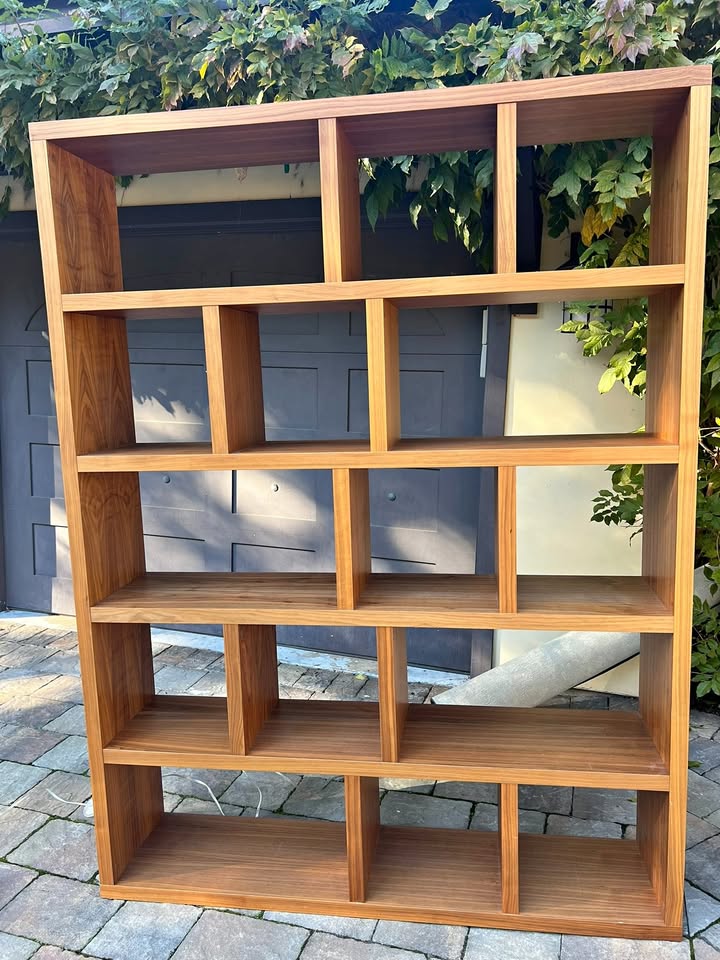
[501, 878]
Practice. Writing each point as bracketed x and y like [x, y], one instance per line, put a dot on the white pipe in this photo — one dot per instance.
[546, 671]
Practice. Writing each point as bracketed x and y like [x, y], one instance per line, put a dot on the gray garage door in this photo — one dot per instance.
[315, 384]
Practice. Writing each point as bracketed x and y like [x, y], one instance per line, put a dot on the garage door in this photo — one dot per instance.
[315, 385]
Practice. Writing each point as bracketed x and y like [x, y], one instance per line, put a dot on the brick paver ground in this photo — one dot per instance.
[49, 903]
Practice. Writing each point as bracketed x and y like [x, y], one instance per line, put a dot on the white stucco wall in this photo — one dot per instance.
[552, 388]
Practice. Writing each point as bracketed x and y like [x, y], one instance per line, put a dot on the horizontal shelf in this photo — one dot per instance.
[611, 749]
[602, 449]
[391, 600]
[422, 121]
[567, 884]
[475, 290]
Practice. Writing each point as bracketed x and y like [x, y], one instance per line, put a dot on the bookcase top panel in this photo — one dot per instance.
[423, 121]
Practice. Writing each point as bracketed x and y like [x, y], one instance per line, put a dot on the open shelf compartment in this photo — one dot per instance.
[412, 600]
[611, 748]
[403, 872]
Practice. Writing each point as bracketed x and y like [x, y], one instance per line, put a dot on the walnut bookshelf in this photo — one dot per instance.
[501, 878]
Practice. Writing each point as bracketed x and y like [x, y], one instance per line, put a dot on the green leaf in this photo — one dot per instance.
[423, 8]
[607, 381]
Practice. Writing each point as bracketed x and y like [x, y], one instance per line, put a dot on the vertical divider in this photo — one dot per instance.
[80, 248]
[252, 681]
[383, 355]
[340, 200]
[674, 345]
[393, 689]
[505, 189]
[508, 829]
[351, 499]
[362, 825]
[234, 372]
[506, 539]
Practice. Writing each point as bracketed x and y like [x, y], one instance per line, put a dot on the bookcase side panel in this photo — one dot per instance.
[678, 225]
[80, 252]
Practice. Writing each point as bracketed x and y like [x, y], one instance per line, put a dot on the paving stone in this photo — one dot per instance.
[511, 945]
[143, 931]
[703, 950]
[25, 744]
[183, 781]
[16, 779]
[317, 797]
[616, 702]
[460, 790]
[14, 683]
[30, 711]
[561, 702]
[701, 866]
[371, 690]
[275, 790]
[699, 830]
[704, 724]
[67, 689]
[193, 805]
[707, 754]
[16, 825]
[70, 722]
[16, 948]
[402, 783]
[56, 953]
[68, 642]
[171, 801]
[414, 809]
[589, 701]
[213, 684]
[592, 804]
[601, 948]
[62, 662]
[345, 686]
[61, 847]
[23, 655]
[201, 660]
[289, 673]
[436, 939]
[230, 936]
[69, 786]
[57, 911]
[702, 910]
[712, 936]
[175, 680]
[354, 927]
[703, 795]
[71, 755]
[294, 693]
[435, 691]
[417, 692]
[575, 827]
[323, 946]
[12, 880]
[316, 680]
[547, 799]
[485, 818]
[172, 655]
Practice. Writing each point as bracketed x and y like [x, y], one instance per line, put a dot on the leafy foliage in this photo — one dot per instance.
[706, 649]
[125, 56]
